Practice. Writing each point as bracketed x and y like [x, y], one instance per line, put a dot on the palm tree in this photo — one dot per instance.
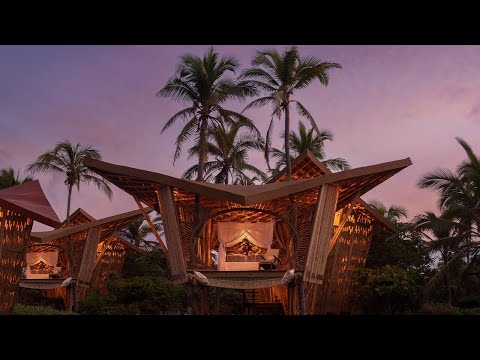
[308, 140]
[279, 76]
[459, 202]
[204, 84]
[443, 241]
[9, 178]
[246, 180]
[393, 213]
[67, 159]
[137, 231]
[228, 146]
[460, 191]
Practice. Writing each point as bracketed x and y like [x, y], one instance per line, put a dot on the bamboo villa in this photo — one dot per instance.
[289, 244]
[20, 206]
[97, 252]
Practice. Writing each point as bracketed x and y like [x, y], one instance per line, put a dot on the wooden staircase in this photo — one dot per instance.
[252, 306]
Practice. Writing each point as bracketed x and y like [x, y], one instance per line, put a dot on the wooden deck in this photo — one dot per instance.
[243, 279]
[242, 275]
[41, 283]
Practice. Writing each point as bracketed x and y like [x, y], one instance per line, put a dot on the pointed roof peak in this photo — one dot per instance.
[30, 200]
[78, 217]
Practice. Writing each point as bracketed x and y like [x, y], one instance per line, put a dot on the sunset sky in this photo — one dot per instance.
[387, 103]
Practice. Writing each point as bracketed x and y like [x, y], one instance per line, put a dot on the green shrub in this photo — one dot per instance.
[386, 290]
[20, 309]
[439, 309]
[143, 288]
[471, 311]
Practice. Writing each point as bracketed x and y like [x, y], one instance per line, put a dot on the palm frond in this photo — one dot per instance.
[100, 183]
[304, 112]
[335, 164]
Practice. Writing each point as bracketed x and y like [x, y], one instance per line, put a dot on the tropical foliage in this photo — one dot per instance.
[9, 178]
[308, 140]
[137, 232]
[455, 233]
[143, 288]
[278, 77]
[393, 213]
[228, 147]
[66, 159]
[204, 84]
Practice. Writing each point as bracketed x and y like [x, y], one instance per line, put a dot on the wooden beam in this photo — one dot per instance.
[291, 298]
[301, 296]
[204, 308]
[189, 296]
[343, 222]
[243, 195]
[218, 304]
[86, 265]
[46, 236]
[321, 235]
[314, 299]
[88, 257]
[152, 227]
[172, 234]
[3, 215]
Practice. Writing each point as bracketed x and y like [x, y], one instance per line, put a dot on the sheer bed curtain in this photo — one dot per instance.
[231, 233]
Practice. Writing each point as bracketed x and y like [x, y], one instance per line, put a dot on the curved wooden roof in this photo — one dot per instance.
[307, 166]
[142, 183]
[29, 199]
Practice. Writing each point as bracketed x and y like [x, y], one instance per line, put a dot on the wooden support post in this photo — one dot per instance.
[301, 296]
[291, 298]
[189, 295]
[204, 306]
[152, 227]
[87, 263]
[69, 298]
[321, 235]
[218, 299]
[314, 298]
[2, 229]
[172, 234]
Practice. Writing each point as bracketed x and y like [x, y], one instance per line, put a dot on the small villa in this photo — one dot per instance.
[293, 242]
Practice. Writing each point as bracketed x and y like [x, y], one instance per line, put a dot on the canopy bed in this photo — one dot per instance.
[243, 245]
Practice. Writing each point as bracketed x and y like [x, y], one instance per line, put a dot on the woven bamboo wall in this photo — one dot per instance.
[349, 254]
[14, 233]
[109, 261]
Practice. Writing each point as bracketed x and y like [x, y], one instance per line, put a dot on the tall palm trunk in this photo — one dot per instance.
[69, 201]
[70, 248]
[203, 149]
[447, 278]
[287, 137]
